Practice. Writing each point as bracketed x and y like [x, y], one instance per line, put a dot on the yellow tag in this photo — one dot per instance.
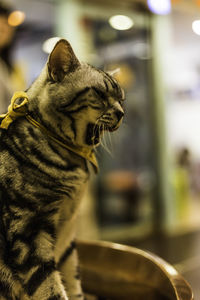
[14, 110]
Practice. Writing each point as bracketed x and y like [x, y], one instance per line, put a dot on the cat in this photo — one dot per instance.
[47, 141]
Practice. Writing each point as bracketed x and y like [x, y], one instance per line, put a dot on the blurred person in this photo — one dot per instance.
[182, 183]
[184, 158]
[11, 77]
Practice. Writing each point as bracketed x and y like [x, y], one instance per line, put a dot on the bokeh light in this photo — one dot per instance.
[196, 27]
[49, 44]
[121, 22]
[16, 18]
[160, 7]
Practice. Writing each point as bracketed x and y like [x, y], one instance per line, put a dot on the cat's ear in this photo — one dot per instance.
[113, 72]
[62, 60]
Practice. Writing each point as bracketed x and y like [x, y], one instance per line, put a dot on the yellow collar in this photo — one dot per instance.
[20, 110]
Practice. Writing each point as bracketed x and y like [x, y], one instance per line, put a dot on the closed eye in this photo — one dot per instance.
[79, 94]
[100, 93]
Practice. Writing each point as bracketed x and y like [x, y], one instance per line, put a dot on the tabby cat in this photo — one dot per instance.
[47, 141]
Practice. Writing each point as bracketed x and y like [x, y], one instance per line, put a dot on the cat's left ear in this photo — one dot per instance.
[62, 60]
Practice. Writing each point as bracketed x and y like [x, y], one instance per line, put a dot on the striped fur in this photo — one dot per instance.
[41, 183]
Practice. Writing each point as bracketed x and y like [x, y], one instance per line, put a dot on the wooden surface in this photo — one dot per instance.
[121, 272]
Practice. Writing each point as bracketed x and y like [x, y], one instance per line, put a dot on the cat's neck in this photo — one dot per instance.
[83, 151]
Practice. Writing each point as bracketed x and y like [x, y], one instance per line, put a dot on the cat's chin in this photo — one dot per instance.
[113, 128]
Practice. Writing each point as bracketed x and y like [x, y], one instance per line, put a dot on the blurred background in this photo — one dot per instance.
[147, 193]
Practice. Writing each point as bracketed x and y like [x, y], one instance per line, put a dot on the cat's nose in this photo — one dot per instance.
[119, 114]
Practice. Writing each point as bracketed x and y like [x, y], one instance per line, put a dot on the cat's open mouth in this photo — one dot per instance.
[94, 132]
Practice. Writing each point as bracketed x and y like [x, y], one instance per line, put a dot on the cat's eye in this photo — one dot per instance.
[100, 93]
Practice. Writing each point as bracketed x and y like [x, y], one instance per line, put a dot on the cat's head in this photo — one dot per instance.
[74, 100]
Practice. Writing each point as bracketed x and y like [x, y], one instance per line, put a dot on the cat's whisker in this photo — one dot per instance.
[110, 142]
[104, 142]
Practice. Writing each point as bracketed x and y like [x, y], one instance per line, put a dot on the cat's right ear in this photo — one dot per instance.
[62, 61]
